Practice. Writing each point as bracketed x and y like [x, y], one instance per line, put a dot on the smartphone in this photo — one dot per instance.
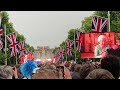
[13, 68]
[62, 68]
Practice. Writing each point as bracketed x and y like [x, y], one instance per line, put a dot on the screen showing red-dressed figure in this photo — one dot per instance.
[94, 44]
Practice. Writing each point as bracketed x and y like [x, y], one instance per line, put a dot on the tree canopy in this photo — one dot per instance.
[10, 29]
[114, 20]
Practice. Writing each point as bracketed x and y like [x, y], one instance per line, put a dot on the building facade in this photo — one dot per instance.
[43, 52]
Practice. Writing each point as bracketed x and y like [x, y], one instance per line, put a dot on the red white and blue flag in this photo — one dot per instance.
[1, 43]
[69, 47]
[21, 48]
[57, 57]
[13, 44]
[27, 51]
[61, 53]
[78, 40]
[99, 24]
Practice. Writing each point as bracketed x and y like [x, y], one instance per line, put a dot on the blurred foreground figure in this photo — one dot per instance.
[100, 74]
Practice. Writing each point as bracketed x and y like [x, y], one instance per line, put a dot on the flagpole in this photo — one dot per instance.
[4, 27]
[109, 20]
[16, 60]
[66, 49]
[74, 46]
[5, 45]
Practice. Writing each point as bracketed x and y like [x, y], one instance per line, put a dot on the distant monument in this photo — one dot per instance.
[43, 52]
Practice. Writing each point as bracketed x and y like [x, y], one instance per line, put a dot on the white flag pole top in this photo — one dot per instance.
[109, 20]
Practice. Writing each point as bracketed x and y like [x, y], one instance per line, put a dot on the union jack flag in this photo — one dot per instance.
[99, 24]
[13, 43]
[21, 48]
[1, 44]
[78, 40]
[61, 53]
[27, 51]
[69, 47]
[57, 57]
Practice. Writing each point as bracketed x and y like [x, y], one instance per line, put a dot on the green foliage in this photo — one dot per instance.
[101, 13]
[118, 37]
[71, 34]
[86, 24]
[10, 29]
[5, 17]
[114, 20]
[2, 58]
[31, 49]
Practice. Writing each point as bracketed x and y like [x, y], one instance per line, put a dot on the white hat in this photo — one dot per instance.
[34, 71]
[100, 37]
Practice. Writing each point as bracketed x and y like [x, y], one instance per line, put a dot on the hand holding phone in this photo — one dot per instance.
[61, 69]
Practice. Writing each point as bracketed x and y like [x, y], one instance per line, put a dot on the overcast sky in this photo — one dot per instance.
[46, 28]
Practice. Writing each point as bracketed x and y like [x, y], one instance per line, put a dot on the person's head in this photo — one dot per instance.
[46, 74]
[6, 72]
[102, 39]
[77, 67]
[86, 69]
[27, 68]
[100, 74]
[114, 51]
[18, 67]
[112, 64]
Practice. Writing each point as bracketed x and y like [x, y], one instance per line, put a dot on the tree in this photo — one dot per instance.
[87, 24]
[63, 45]
[10, 29]
[31, 49]
[114, 20]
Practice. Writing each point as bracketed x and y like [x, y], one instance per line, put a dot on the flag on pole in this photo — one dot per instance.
[13, 44]
[99, 24]
[57, 57]
[61, 53]
[69, 47]
[21, 48]
[78, 40]
[1, 43]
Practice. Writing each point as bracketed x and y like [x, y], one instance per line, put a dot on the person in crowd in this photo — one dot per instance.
[45, 74]
[85, 70]
[20, 76]
[7, 72]
[102, 47]
[112, 64]
[51, 73]
[115, 51]
[75, 74]
[28, 68]
[100, 74]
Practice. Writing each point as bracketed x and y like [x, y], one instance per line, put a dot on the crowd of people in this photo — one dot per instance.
[108, 67]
